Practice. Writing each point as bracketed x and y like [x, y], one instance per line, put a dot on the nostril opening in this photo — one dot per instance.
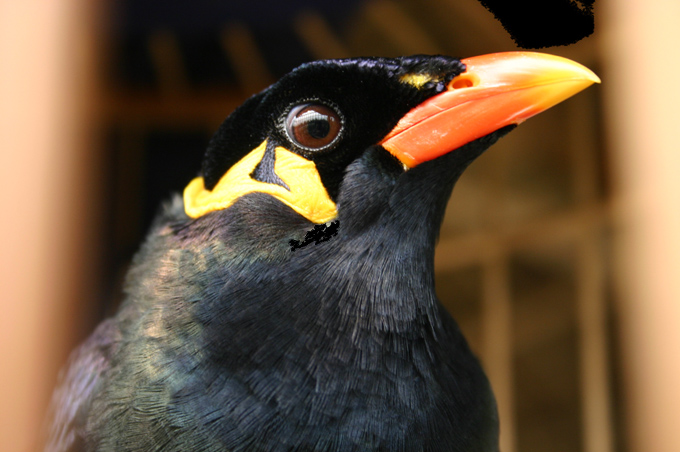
[462, 81]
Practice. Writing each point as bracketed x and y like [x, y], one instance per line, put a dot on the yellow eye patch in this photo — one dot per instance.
[307, 195]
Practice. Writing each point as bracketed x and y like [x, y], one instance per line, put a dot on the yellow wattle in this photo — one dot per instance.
[307, 195]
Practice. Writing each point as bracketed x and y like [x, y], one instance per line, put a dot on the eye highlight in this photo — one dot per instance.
[313, 126]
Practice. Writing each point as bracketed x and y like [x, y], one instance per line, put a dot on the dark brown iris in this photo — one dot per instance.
[313, 126]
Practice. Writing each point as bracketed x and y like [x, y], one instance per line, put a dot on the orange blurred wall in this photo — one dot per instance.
[48, 172]
[640, 81]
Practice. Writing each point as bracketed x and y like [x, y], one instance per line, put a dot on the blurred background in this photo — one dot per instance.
[560, 252]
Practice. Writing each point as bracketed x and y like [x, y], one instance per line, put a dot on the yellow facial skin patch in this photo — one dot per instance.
[417, 80]
[307, 195]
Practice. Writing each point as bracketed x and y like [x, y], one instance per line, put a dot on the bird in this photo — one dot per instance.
[285, 300]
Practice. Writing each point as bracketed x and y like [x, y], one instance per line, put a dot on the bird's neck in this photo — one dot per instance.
[353, 328]
[338, 301]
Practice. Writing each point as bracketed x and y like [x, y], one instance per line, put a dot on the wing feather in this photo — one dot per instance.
[78, 385]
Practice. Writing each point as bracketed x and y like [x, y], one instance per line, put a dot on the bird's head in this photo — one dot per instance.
[366, 142]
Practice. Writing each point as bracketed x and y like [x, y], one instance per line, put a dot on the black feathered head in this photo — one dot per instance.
[296, 140]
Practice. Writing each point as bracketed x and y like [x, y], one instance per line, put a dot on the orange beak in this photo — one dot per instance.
[495, 91]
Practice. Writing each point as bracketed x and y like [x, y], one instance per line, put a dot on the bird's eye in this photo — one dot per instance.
[313, 126]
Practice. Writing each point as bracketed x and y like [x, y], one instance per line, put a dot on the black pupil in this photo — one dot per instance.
[318, 128]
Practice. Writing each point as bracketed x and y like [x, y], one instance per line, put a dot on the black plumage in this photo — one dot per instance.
[230, 340]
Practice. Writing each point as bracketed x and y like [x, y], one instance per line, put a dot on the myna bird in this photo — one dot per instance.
[287, 302]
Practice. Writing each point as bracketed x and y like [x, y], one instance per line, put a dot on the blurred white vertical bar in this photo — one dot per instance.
[46, 176]
[498, 345]
[640, 79]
